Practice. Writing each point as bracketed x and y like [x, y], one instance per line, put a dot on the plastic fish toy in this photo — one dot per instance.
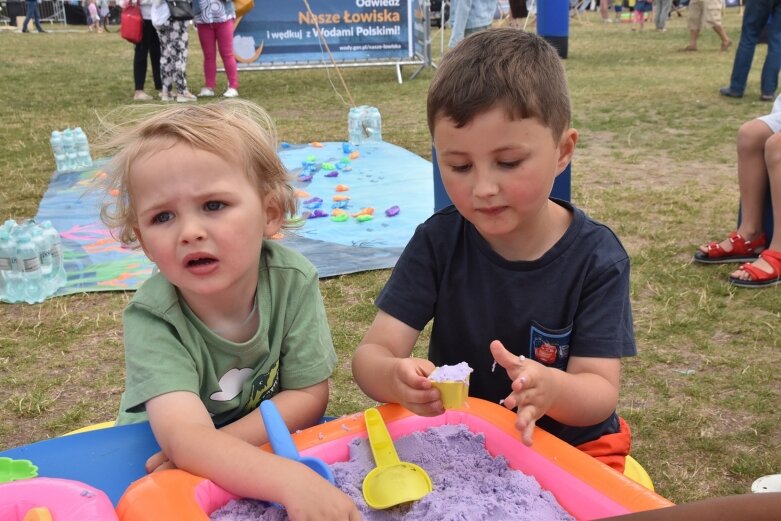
[317, 214]
[364, 211]
[314, 202]
[393, 211]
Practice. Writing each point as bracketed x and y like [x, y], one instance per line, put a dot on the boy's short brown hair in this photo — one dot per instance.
[505, 67]
[238, 131]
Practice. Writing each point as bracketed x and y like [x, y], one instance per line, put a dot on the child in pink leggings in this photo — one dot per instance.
[214, 21]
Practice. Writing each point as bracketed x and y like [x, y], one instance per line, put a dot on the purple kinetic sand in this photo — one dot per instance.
[451, 373]
[468, 483]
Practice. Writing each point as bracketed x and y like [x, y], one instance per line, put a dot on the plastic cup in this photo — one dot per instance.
[454, 393]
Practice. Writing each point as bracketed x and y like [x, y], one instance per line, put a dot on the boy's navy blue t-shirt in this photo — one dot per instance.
[572, 301]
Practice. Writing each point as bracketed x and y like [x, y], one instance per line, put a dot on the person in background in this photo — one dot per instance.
[470, 16]
[759, 170]
[529, 291]
[757, 14]
[147, 49]
[32, 14]
[104, 12]
[518, 10]
[214, 22]
[174, 41]
[231, 319]
[702, 13]
[638, 17]
[94, 18]
[662, 13]
[604, 11]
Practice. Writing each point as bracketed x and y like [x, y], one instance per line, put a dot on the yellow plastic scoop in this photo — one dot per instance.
[393, 481]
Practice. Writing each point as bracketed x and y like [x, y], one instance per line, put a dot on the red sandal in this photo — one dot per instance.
[742, 250]
[759, 277]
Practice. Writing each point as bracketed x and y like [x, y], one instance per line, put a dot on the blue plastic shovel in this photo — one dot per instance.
[282, 442]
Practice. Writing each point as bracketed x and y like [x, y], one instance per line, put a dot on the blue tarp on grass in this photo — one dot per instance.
[382, 176]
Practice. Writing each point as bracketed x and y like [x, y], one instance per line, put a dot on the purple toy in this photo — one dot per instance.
[393, 211]
[317, 214]
[314, 202]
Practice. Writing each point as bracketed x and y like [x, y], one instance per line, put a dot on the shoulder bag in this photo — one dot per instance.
[132, 24]
[181, 10]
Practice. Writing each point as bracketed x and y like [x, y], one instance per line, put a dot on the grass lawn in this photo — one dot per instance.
[656, 162]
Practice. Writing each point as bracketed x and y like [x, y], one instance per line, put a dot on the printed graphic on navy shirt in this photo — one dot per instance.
[550, 347]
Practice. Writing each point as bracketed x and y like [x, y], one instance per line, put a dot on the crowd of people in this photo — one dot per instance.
[165, 45]
[166, 42]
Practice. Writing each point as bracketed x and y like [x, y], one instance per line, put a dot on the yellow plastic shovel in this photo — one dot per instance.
[393, 481]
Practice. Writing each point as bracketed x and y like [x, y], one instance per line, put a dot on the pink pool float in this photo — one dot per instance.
[54, 499]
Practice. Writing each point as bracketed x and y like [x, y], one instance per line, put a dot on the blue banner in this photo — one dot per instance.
[284, 32]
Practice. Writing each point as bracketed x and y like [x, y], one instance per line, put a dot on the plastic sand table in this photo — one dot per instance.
[584, 487]
[468, 483]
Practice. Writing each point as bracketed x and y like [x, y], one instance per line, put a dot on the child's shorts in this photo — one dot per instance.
[773, 120]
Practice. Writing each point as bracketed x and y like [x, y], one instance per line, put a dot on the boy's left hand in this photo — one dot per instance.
[534, 388]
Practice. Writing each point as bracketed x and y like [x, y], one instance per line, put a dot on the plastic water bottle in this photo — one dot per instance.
[354, 130]
[9, 266]
[58, 276]
[57, 150]
[69, 148]
[45, 258]
[32, 286]
[81, 144]
[373, 125]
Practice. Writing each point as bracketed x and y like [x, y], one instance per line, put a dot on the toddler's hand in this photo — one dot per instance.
[413, 388]
[533, 388]
[315, 499]
[158, 461]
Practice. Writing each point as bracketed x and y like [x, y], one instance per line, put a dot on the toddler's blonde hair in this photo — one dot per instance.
[238, 131]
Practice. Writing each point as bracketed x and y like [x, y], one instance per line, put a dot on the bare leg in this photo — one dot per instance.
[693, 35]
[725, 41]
[604, 9]
[773, 162]
[752, 179]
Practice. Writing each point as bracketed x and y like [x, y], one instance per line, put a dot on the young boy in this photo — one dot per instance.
[230, 320]
[507, 274]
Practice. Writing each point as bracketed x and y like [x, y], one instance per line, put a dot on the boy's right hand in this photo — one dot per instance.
[413, 388]
[313, 499]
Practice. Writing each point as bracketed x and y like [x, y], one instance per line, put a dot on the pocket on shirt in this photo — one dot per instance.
[550, 347]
